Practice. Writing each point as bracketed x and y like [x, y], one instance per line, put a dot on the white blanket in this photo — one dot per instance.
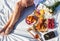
[20, 33]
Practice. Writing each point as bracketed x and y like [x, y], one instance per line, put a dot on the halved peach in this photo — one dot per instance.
[31, 19]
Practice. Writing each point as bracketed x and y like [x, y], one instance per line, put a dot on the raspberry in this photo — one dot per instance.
[51, 23]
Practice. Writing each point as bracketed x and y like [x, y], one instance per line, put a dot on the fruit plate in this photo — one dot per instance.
[20, 33]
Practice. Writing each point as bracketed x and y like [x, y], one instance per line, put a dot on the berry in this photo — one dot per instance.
[51, 23]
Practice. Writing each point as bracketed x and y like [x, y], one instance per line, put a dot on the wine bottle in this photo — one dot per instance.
[53, 7]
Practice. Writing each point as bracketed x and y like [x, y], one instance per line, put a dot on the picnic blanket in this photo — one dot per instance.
[20, 32]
